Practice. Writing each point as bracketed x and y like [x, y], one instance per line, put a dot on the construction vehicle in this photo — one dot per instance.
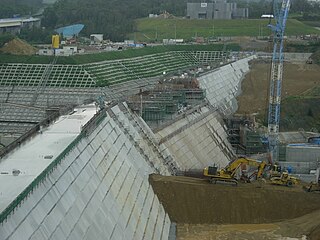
[312, 187]
[228, 174]
[275, 171]
[285, 180]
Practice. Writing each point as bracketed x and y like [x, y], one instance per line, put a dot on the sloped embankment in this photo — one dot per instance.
[195, 201]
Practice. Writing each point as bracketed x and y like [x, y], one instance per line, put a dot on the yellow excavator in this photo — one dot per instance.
[314, 186]
[228, 173]
[284, 180]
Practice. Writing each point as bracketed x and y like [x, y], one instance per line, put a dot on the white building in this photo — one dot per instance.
[96, 38]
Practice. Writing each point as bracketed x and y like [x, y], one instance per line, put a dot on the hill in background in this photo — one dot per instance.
[156, 28]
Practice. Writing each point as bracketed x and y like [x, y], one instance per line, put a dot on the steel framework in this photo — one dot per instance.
[281, 15]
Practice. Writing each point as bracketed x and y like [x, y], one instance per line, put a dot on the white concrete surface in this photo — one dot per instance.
[199, 142]
[32, 157]
[99, 191]
[223, 85]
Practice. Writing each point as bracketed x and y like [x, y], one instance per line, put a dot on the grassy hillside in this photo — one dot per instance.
[150, 29]
[130, 53]
[300, 112]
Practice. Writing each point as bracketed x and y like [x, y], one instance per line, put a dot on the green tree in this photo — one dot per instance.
[4, 38]
[36, 35]
[310, 113]
[109, 17]
[50, 19]
[8, 8]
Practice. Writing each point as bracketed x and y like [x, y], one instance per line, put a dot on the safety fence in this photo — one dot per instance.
[27, 135]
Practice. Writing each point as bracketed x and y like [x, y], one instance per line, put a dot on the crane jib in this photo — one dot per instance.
[281, 15]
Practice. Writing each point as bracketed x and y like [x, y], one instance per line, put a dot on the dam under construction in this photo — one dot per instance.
[79, 161]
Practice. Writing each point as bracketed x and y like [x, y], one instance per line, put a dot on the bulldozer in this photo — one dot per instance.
[314, 186]
[228, 173]
[284, 180]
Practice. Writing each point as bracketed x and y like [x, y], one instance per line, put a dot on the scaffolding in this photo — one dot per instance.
[243, 136]
[169, 97]
[252, 141]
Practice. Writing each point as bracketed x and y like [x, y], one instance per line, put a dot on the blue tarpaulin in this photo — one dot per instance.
[70, 31]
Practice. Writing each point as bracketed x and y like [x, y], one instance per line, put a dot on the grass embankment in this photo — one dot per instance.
[312, 23]
[123, 54]
[158, 29]
[311, 47]
[300, 111]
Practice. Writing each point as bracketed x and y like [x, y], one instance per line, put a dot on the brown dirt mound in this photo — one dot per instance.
[195, 201]
[18, 47]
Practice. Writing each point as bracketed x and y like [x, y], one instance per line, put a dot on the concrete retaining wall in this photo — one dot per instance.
[223, 85]
[290, 57]
[99, 191]
[197, 141]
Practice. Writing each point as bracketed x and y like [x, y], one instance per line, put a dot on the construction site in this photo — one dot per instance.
[131, 166]
[173, 145]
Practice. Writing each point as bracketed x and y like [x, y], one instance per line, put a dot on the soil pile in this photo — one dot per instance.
[195, 201]
[18, 47]
[205, 211]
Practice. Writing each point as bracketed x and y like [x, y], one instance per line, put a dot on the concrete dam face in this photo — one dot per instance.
[97, 186]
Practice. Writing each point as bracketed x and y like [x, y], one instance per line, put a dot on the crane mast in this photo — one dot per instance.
[281, 15]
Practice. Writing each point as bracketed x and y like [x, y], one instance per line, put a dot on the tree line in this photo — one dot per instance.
[115, 19]
[9, 8]
[301, 7]
[111, 17]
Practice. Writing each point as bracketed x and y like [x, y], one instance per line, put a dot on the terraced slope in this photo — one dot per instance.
[103, 73]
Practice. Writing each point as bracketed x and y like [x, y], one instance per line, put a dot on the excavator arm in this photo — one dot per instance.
[228, 173]
[233, 166]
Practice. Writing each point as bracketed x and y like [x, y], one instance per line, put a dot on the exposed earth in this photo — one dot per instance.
[18, 47]
[297, 79]
[249, 211]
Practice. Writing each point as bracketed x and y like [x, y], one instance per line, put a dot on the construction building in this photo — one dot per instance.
[216, 10]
